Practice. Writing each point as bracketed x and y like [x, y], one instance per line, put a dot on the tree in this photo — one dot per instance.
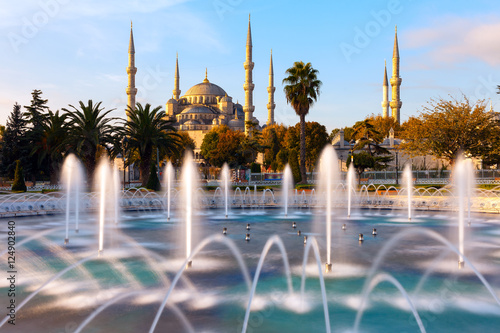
[147, 130]
[186, 143]
[301, 91]
[316, 139]
[362, 161]
[36, 117]
[293, 161]
[384, 125]
[272, 141]
[348, 131]
[52, 143]
[446, 128]
[222, 145]
[368, 137]
[153, 181]
[19, 185]
[89, 129]
[14, 145]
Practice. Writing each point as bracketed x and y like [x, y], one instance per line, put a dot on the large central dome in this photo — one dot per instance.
[206, 89]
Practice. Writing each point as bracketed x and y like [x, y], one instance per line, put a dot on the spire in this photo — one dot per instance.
[491, 106]
[177, 78]
[386, 82]
[249, 33]
[131, 48]
[395, 52]
[131, 71]
[385, 94]
[206, 76]
[248, 86]
[396, 81]
[270, 90]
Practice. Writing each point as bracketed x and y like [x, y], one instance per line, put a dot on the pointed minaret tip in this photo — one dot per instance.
[249, 34]
[271, 69]
[396, 46]
[386, 82]
[131, 48]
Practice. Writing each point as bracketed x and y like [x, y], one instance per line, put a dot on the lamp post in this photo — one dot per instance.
[351, 143]
[124, 149]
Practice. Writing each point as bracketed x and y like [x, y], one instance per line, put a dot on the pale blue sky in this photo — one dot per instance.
[77, 50]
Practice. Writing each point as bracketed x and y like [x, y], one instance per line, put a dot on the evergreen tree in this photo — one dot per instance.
[14, 145]
[19, 185]
[36, 117]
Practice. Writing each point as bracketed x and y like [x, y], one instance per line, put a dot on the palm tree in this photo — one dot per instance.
[146, 130]
[51, 147]
[301, 91]
[90, 132]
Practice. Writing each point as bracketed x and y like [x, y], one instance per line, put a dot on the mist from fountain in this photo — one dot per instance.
[107, 184]
[463, 178]
[408, 186]
[225, 179]
[287, 186]
[329, 178]
[351, 183]
[168, 182]
[72, 177]
[189, 185]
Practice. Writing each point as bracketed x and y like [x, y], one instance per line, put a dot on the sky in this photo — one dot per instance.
[78, 50]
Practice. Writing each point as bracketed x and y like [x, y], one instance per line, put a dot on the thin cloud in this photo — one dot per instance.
[456, 40]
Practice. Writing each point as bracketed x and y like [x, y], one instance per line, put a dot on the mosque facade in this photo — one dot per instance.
[207, 105]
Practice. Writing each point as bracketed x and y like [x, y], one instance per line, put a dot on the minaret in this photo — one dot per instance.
[385, 95]
[270, 90]
[176, 91]
[396, 81]
[248, 86]
[131, 70]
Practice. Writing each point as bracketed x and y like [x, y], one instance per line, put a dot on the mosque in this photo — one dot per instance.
[206, 105]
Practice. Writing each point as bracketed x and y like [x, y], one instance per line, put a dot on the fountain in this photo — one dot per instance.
[328, 182]
[168, 184]
[463, 180]
[287, 186]
[351, 183]
[225, 179]
[189, 186]
[408, 186]
[404, 279]
[72, 179]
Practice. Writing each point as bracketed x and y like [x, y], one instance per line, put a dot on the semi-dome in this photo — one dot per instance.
[192, 122]
[236, 123]
[205, 89]
[193, 109]
[172, 101]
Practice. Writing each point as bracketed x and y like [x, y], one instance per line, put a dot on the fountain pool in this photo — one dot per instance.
[122, 289]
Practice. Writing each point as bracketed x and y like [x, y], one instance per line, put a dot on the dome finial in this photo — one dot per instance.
[206, 76]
